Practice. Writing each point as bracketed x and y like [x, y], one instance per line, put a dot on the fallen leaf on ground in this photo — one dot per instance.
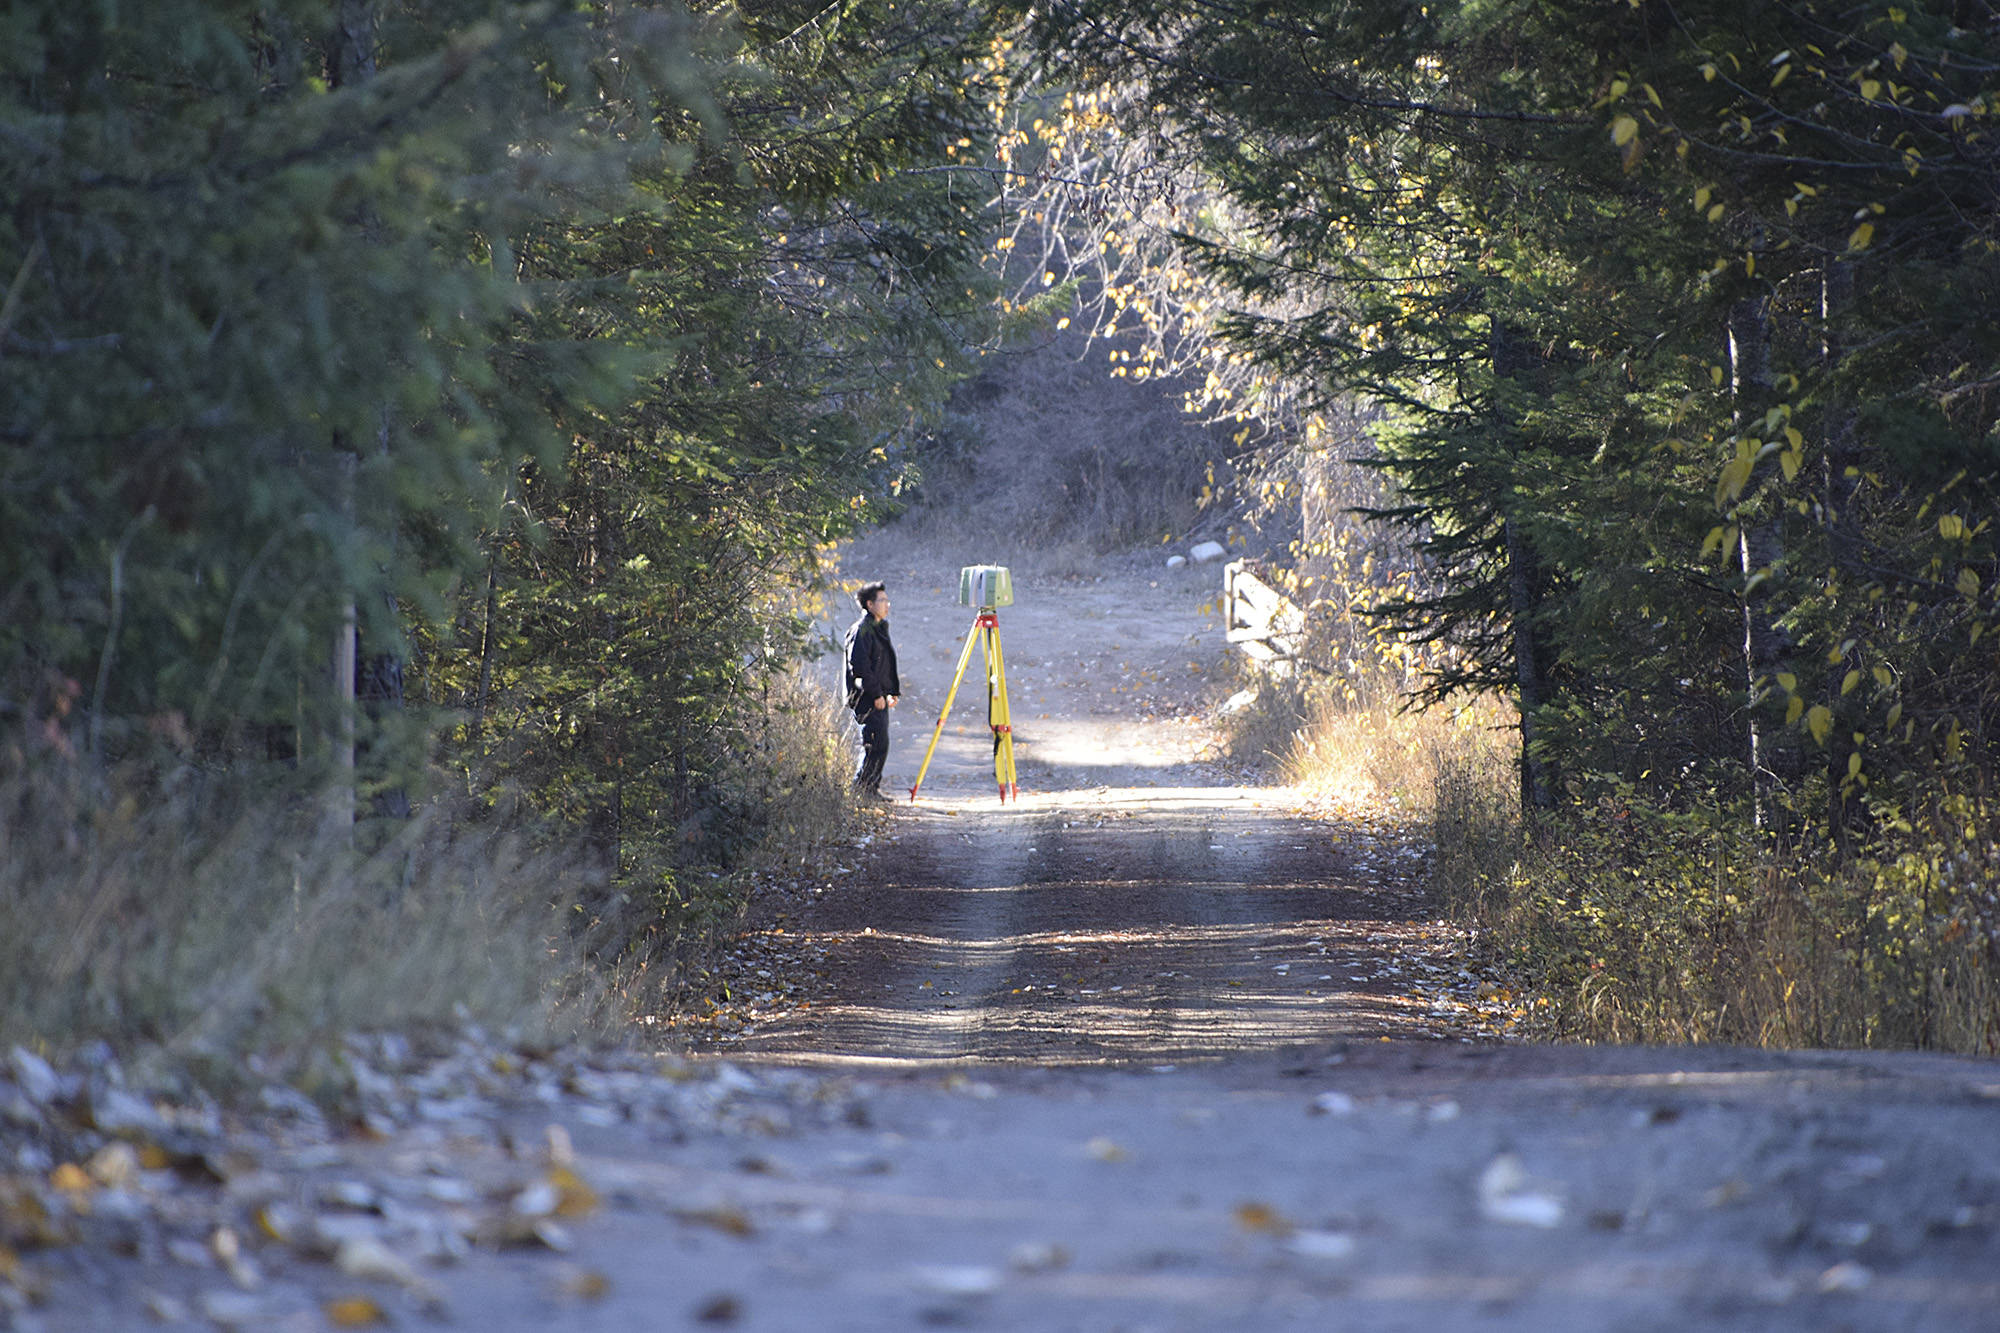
[721, 1308]
[354, 1312]
[726, 1218]
[1261, 1217]
[574, 1198]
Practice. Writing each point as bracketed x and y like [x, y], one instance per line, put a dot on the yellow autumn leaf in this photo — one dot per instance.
[1895, 713]
[1624, 130]
[1951, 527]
[1871, 88]
[1882, 676]
[1819, 721]
[1261, 1217]
[71, 1179]
[1735, 476]
[1861, 236]
[1849, 681]
[1788, 682]
[1854, 764]
[574, 1198]
[1701, 198]
[1968, 583]
[354, 1312]
[1793, 709]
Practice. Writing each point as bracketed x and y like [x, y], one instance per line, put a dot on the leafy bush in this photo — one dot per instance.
[1632, 922]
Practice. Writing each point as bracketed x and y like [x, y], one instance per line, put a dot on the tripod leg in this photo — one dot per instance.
[1002, 721]
[964, 656]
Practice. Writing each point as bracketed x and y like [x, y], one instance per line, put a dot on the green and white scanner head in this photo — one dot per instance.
[987, 587]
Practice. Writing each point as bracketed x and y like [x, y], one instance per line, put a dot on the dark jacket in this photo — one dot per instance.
[871, 664]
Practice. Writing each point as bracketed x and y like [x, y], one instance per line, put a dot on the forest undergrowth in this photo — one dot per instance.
[211, 914]
[1618, 918]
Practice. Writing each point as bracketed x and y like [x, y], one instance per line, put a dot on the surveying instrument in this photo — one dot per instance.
[988, 588]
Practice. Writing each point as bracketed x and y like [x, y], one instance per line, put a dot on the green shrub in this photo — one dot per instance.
[1630, 922]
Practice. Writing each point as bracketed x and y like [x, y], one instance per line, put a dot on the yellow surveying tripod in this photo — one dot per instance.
[987, 587]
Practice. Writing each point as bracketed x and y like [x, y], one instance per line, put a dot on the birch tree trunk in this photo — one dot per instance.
[1761, 550]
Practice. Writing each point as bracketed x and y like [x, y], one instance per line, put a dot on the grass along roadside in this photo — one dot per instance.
[1613, 919]
[210, 917]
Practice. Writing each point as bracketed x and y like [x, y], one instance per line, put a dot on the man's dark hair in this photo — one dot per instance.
[868, 592]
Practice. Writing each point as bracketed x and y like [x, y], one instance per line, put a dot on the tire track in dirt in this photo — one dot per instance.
[1150, 925]
[1138, 905]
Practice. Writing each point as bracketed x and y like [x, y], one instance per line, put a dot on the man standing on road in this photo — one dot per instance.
[872, 685]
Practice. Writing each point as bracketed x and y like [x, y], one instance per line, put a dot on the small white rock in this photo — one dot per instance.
[35, 1075]
[115, 1111]
[1333, 1103]
[1320, 1244]
[1176, 561]
[956, 1279]
[538, 1200]
[450, 1190]
[353, 1194]
[1507, 1195]
[372, 1261]
[236, 1309]
[1205, 552]
[1037, 1256]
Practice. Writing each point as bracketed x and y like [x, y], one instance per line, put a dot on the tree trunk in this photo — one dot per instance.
[1524, 598]
[488, 634]
[351, 46]
[373, 682]
[346, 644]
[1761, 549]
[1538, 784]
[1840, 485]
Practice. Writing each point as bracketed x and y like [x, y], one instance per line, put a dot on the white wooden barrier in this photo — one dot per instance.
[1260, 620]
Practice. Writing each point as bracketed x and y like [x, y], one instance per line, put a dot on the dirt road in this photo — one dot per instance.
[1138, 903]
[1152, 1050]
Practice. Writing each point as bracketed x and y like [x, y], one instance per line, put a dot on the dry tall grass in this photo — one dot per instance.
[1622, 921]
[1360, 747]
[214, 914]
[217, 913]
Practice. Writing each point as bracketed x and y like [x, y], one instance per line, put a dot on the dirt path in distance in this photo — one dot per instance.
[1140, 903]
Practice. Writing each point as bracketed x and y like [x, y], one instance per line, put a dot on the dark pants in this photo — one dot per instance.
[874, 750]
